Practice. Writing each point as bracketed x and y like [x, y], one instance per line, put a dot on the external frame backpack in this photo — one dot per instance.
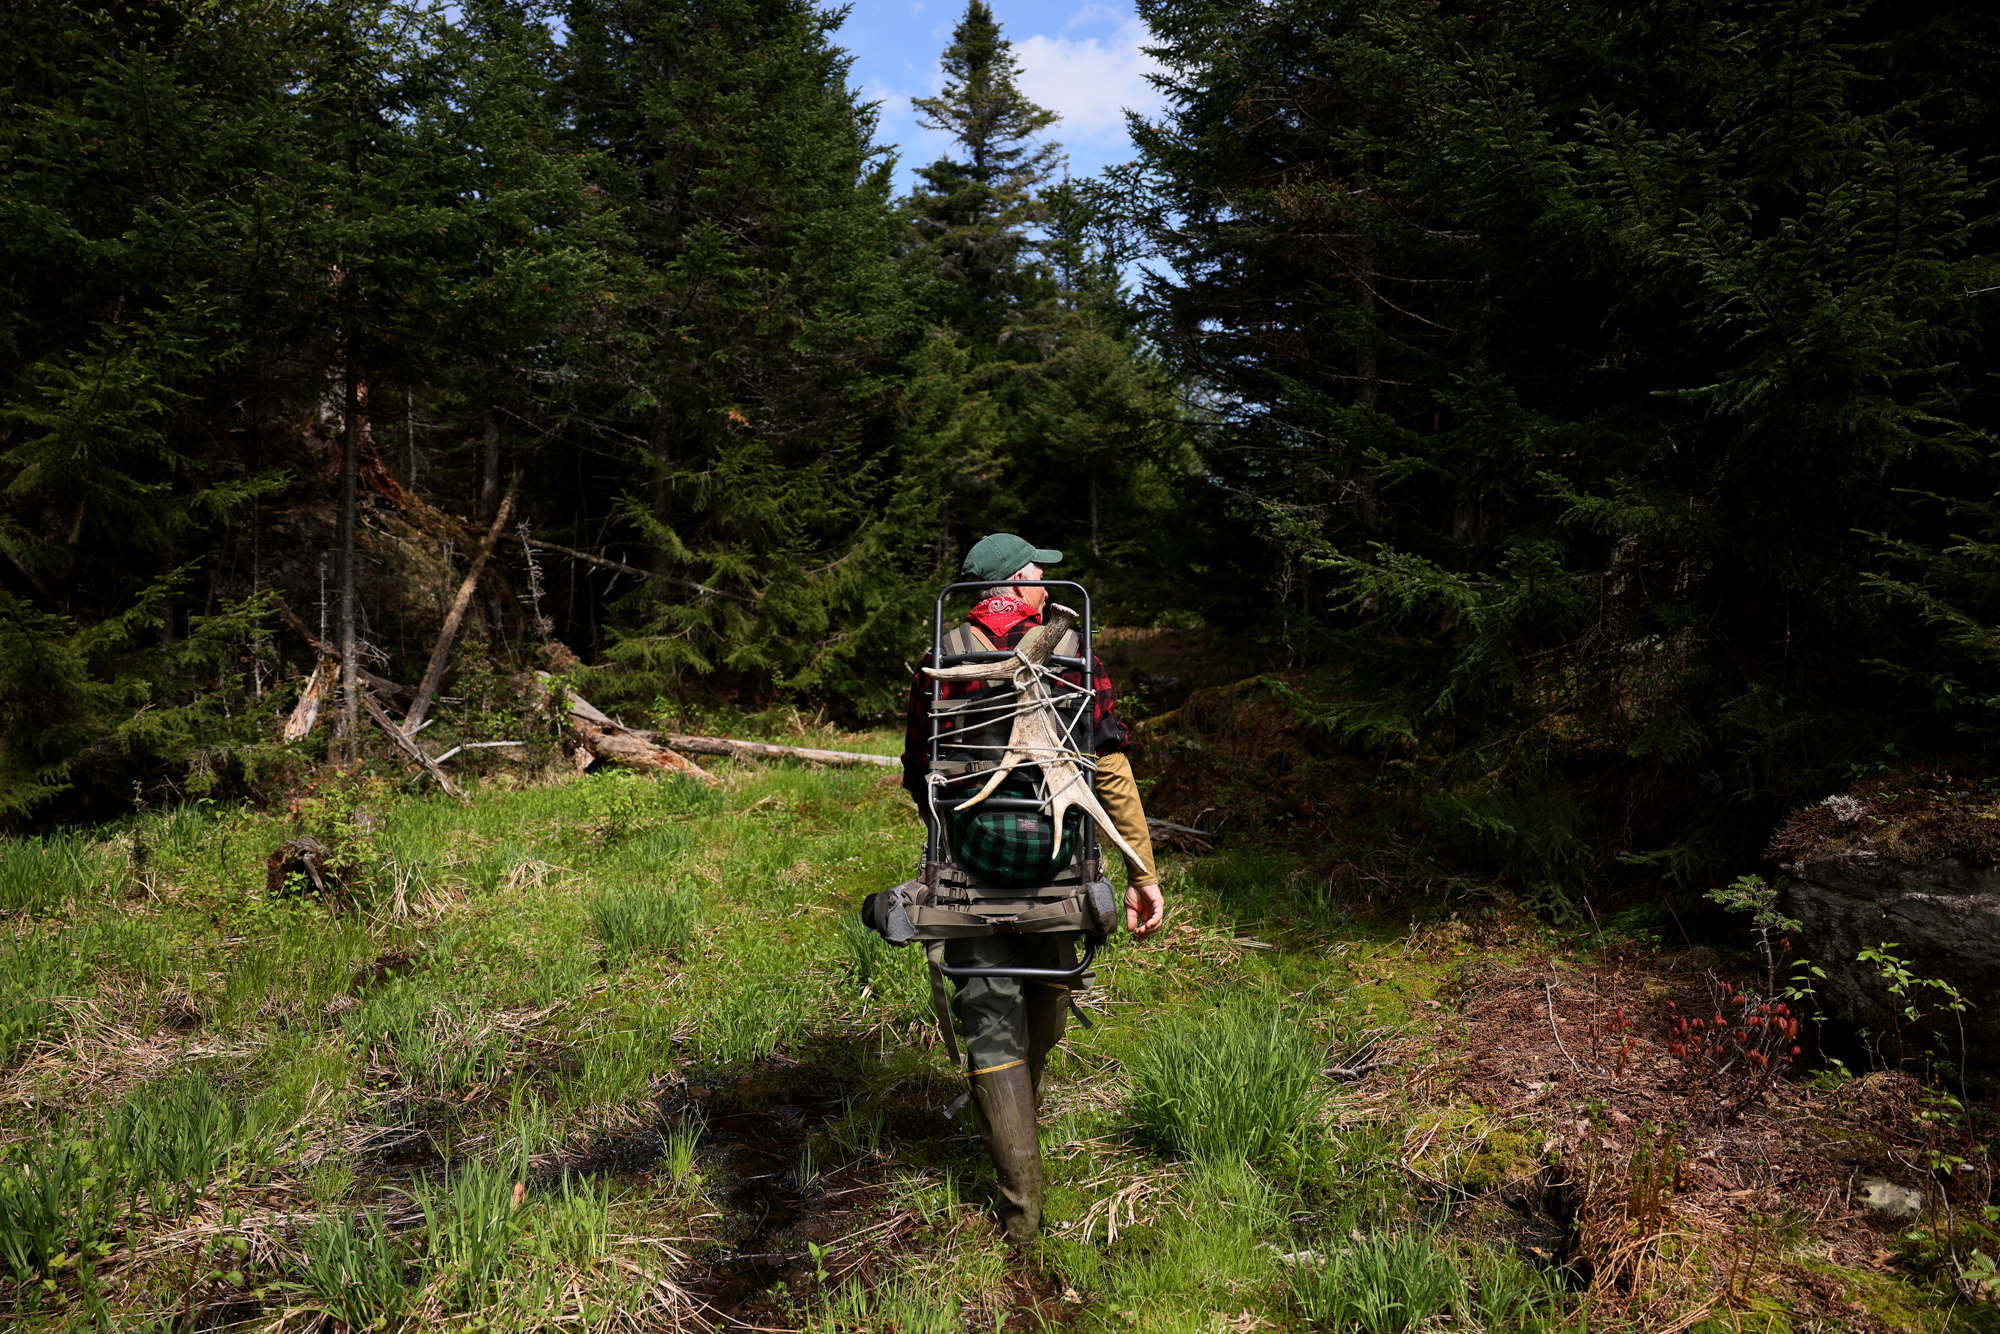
[1002, 866]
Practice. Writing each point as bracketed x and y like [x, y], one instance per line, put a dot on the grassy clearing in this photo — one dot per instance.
[614, 1052]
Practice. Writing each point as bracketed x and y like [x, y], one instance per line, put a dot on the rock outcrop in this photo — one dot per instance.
[1911, 857]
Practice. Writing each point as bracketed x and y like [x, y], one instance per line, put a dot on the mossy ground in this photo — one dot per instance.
[744, 1123]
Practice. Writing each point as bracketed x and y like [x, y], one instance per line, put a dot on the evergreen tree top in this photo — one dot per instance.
[983, 109]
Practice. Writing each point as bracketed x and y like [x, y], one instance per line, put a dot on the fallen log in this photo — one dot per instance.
[448, 635]
[407, 746]
[603, 737]
[758, 750]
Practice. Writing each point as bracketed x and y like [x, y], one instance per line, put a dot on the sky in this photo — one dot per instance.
[1079, 58]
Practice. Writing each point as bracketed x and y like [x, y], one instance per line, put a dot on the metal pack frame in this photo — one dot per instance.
[937, 847]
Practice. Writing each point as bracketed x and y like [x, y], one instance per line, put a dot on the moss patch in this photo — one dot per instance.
[1465, 1148]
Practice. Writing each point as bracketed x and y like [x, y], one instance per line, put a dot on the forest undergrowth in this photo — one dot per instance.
[606, 1051]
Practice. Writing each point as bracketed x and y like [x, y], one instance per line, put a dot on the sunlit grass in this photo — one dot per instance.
[494, 984]
[1229, 1085]
[1385, 1283]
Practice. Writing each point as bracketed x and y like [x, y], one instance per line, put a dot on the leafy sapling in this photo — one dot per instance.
[1905, 1011]
[1751, 894]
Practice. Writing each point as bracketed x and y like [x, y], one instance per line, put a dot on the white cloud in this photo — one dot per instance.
[1092, 12]
[1090, 83]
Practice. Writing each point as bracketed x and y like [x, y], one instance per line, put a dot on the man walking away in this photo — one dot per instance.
[1008, 1026]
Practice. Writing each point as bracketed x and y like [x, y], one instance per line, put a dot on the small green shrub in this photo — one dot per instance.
[1239, 1087]
[1384, 1284]
[354, 1271]
[645, 917]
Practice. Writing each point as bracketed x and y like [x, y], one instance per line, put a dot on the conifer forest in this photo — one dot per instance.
[475, 481]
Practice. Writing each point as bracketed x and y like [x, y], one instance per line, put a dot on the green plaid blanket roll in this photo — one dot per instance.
[1011, 849]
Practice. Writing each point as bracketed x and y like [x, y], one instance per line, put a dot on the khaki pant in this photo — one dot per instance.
[1006, 1021]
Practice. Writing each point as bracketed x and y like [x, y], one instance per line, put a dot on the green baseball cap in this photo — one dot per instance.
[999, 556]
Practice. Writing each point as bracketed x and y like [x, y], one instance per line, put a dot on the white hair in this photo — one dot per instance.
[1002, 590]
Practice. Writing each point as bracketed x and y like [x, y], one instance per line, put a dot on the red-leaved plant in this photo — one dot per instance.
[1732, 1055]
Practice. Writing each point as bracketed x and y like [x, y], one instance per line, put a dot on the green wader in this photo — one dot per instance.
[1009, 1027]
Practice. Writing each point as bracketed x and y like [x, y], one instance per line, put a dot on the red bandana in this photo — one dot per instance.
[999, 615]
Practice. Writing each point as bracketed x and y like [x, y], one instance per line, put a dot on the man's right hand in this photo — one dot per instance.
[1145, 909]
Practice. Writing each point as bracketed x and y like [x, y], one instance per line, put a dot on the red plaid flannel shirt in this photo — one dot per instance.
[1004, 624]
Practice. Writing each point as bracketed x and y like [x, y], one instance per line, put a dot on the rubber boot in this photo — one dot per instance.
[1004, 1103]
[1048, 1015]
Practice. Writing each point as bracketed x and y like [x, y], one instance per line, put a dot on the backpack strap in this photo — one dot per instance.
[941, 1000]
[968, 638]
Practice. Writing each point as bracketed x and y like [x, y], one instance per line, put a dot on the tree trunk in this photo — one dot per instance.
[758, 750]
[489, 471]
[448, 635]
[350, 467]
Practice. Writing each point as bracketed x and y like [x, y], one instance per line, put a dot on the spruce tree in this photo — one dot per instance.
[214, 227]
[973, 214]
[1078, 411]
[750, 374]
[1575, 362]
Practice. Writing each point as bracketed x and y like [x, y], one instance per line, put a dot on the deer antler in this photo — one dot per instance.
[1037, 736]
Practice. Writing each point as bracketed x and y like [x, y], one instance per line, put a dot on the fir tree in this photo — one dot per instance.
[214, 226]
[1077, 410]
[760, 315]
[1567, 354]
[973, 214]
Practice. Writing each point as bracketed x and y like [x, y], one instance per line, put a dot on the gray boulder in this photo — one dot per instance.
[1911, 863]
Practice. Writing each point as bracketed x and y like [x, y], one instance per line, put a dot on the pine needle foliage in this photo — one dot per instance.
[749, 369]
[1076, 417]
[1575, 365]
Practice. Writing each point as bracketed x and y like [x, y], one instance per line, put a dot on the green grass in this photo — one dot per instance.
[1234, 1084]
[38, 875]
[65, 1196]
[1379, 1284]
[496, 991]
[645, 917]
[356, 1270]
[470, 1221]
[905, 1307]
